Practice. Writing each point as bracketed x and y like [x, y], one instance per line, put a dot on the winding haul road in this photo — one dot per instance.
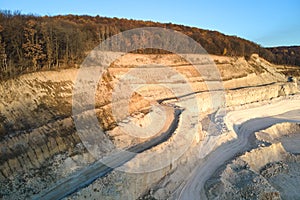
[244, 123]
[244, 126]
[102, 167]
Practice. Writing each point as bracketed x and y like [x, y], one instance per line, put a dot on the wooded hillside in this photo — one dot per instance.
[30, 43]
[286, 55]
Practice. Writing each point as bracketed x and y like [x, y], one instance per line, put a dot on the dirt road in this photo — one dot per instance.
[244, 126]
[89, 174]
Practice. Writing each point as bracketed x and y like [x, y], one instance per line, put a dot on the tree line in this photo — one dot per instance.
[286, 55]
[31, 43]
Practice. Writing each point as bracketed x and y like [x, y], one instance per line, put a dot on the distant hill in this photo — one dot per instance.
[286, 55]
[31, 43]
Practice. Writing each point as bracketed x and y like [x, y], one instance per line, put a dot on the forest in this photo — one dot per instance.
[31, 43]
[286, 55]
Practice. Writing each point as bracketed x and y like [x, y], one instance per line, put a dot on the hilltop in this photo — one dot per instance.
[32, 43]
[286, 55]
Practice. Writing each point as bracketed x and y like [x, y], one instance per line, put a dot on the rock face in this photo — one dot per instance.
[36, 121]
[263, 173]
[278, 131]
[36, 118]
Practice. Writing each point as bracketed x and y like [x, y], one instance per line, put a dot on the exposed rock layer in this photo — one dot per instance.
[36, 109]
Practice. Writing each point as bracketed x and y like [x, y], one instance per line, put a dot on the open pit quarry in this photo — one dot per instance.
[247, 148]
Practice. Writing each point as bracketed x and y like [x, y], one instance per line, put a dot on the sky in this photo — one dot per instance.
[266, 22]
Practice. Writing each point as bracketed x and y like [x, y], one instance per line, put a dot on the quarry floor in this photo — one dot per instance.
[244, 125]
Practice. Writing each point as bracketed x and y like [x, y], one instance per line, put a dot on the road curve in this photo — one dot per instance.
[193, 186]
[89, 174]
